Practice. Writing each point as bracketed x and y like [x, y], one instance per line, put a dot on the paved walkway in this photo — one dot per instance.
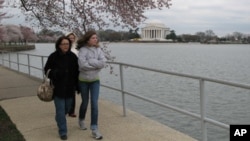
[35, 119]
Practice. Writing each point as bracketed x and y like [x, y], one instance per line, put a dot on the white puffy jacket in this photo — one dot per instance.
[91, 60]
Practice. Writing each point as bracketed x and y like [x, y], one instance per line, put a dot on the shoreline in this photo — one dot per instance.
[223, 43]
[17, 47]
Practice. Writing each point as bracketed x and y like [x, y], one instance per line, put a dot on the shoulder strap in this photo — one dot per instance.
[47, 74]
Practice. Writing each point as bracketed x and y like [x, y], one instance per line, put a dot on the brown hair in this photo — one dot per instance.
[83, 41]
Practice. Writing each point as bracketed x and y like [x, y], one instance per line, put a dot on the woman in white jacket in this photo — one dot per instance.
[91, 60]
[73, 38]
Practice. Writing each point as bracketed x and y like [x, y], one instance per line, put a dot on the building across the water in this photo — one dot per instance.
[154, 30]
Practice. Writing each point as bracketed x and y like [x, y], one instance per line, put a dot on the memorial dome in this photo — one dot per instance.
[156, 23]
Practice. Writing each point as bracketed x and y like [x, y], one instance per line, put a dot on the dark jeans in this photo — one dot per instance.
[73, 105]
[62, 106]
[89, 89]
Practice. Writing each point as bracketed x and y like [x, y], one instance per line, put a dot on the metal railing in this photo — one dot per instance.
[7, 61]
[202, 116]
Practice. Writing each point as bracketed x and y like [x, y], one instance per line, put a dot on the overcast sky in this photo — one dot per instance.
[191, 16]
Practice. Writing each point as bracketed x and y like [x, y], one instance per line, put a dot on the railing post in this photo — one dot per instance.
[2, 58]
[122, 89]
[17, 59]
[9, 60]
[203, 110]
[42, 66]
[28, 63]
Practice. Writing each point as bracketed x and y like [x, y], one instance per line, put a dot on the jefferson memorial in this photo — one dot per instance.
[154, 30]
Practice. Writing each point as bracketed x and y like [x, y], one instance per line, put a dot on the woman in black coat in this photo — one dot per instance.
[63, 71]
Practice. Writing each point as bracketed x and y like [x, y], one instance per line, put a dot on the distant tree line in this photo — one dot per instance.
[14, 34]
[203, 37]
[210, 37]
[115, 36]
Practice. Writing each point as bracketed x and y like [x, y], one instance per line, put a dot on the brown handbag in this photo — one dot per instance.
[45, 90]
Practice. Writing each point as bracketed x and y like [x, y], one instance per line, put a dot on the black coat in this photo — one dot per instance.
[64, 73]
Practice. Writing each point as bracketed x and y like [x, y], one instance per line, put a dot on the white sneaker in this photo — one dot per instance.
[96, 134]
[82, 125]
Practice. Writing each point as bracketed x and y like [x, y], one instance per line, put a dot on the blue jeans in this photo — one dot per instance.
[62, 106]
[89, 89]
